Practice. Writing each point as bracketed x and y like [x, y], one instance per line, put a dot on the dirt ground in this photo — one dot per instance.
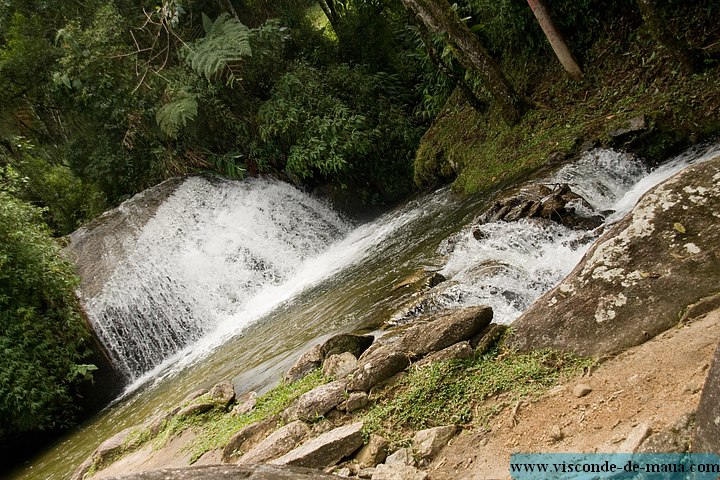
[654, 384]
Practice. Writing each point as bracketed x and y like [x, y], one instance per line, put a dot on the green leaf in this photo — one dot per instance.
[174, 116]
[679, 227]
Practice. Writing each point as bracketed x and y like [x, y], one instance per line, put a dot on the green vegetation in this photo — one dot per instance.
[215, 427]
[463, 392]
[42, 334]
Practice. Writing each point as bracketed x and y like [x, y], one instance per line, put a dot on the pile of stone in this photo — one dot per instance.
[296, 439]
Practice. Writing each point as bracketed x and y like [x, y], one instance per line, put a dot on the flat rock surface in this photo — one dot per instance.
[230, 472]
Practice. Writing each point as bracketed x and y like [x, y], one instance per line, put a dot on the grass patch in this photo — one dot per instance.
[215, 427]
[455, 392]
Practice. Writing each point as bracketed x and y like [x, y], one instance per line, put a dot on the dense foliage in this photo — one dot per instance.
[42, 334]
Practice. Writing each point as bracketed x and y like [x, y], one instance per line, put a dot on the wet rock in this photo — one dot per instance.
[277, 444]
[247, 437]
[230, 472]
[223, 394]
[420, 280]
[630, 303]
[317, 402]
[446, 330]
[339, 365]
[380, 365]
[346, 342]
[581, 390]
[457, 351]
[373, 452]
[428, 443]
[707, 436]
[308, 362]
[633, 126]
[327, 449]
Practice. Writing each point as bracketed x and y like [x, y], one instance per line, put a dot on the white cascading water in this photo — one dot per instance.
[217, 256]
[513, 263]
[209, 249]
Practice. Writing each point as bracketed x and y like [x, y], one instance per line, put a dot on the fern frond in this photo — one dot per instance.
[227, 41]
[173, 116]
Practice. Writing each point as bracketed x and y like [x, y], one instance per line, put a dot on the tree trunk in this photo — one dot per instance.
[689, 59]
[458, 80]
[328, 7]
[562, 52]
[439, 18]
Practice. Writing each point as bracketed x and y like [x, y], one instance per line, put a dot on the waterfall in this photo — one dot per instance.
[218, 256]
[210, 247]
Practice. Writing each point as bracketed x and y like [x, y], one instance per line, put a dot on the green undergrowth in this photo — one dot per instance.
[214, 428]
[465, 392]
[638, 78]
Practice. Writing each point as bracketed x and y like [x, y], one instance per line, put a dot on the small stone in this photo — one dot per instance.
[427, 443]
[556, 434]
[373, 452]
[398, 472]
[581, 390]
[246, 403]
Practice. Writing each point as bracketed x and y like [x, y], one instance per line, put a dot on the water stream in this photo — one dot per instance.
[249, 275]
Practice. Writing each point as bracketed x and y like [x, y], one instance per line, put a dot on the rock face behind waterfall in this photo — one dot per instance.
[640, 277]
[99, 246]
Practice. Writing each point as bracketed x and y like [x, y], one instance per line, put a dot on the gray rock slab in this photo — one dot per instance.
[230, 472]
[317, 402]
[327, 449]
[398, 471]
[277, 443]
[380, 365]
[373, 452]
[445, 330]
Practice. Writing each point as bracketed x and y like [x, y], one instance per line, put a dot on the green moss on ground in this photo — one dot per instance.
[464, 392]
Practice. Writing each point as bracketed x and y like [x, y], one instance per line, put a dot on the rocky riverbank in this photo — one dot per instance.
[643, 303]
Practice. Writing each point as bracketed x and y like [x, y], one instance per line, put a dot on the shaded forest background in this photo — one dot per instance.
[102, 99]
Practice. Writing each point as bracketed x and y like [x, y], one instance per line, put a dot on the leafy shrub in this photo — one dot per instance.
[42, 334]
[342, 125]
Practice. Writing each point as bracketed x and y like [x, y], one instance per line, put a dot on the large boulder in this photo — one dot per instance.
[317, 402]
[383, 363]
[278, 443]
[446, 330]
[327, 449]
[230, 472]
[308, 361]
[633, 283]
[707, 435]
